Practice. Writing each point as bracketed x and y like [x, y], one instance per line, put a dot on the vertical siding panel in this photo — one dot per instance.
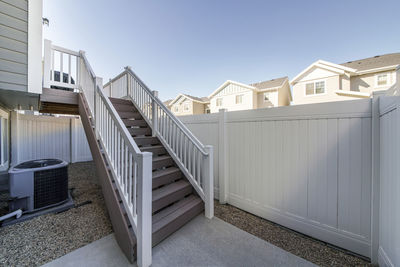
[332, 155]
[344, 172]
[366, 154]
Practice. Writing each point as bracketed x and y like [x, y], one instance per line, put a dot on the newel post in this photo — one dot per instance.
[47, 64]
[209, 183]
[154, 114]
[222, 162]
[144, 209]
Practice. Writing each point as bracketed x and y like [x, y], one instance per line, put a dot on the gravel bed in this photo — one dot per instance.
[303, 246]
[45, 238]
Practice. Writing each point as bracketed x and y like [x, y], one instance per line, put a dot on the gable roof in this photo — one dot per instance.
[340, 69]
[278, 82]
[202, 100]
[167, 102]
[230, 82]
[375, 62]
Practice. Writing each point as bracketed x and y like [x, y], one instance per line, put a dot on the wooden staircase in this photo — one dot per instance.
[174, 201]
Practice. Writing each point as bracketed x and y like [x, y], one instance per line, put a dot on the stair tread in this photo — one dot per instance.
[173, 208]
[169, 214]
[158, 158]
[166, 171]
[169, 189]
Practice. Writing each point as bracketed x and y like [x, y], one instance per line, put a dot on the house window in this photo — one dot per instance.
[266, 97]
[186, 107]
[382, 79]
[219, 102]
[239, 99]
[208, 111]
[315, 88]
[176, 109]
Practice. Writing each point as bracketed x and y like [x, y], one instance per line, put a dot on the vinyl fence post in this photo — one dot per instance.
[375, 197]
[222, 153]
[209, 183]
[47, 72]
[144, 209]
[154, 115]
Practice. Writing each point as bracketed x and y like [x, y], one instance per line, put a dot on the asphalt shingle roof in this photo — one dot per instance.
[270, 83]
[374, 62]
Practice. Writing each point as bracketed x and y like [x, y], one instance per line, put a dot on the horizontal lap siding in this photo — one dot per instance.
[13, 45]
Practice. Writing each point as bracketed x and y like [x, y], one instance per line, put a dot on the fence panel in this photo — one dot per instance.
[389, 223]
[305, 167]
[49, 137]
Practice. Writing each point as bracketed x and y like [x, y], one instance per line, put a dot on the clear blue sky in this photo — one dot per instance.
[194, 46]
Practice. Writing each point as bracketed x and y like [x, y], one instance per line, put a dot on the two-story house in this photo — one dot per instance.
[324, 81]
[233, 95]
[185, 104]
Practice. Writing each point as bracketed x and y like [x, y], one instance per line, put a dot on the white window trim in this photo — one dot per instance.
[315, 81]
[4, 165]
[269, 97]
[388, 80]
[216, 102]
[176, 109]
[186, 107]
[241, 98]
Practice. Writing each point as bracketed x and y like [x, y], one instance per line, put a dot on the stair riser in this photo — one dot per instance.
[156, 151]
[139, 131]
[129, 123]
[166, 179]
[146, 141]
[170, 228]
[171, 198]
[116, 101]
[129, 115]
[162, 163]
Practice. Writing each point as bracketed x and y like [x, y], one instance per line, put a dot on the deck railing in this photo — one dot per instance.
[192, 157]
[131, 168]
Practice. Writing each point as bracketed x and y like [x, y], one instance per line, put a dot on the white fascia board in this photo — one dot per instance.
[35, 11]
[231, 82]
[392, 67]
[324, 65]
[353, 93]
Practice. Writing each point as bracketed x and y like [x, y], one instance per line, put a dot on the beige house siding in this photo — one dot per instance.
[273, 99]
[367, 83]
[198, 108]
[228, 96]
[178, 108]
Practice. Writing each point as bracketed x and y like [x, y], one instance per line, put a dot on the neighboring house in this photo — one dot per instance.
[324, 81]
[189, 105]
[233, 95]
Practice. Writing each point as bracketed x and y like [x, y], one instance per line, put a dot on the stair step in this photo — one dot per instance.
[166, 176]
[124, 107]
[162, 161]
[174, 217]
[129, 122]
[114, 101]
[171, 193]
[146, 140]
[156, 150]
[129, 115]
[139, 131]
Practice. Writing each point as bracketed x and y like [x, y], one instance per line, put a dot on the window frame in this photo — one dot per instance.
[186, 107]
[315, 88]
[239, 97]
[388, 79]
[216, 102]
[176, 109]
[268, 98]
[4, 136]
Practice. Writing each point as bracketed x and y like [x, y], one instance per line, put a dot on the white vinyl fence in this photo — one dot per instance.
[38, 137]
[389, 219]
[305, 167]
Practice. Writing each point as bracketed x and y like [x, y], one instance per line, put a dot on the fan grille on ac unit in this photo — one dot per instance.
[50, 187]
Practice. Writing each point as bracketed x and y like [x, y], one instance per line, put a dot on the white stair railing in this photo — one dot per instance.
[131, 168]
[192, 157]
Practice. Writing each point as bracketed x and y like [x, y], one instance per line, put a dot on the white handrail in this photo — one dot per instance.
[193, 158]
[131, 168]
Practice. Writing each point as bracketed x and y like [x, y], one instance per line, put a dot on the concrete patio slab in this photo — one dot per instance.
[201, 242]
